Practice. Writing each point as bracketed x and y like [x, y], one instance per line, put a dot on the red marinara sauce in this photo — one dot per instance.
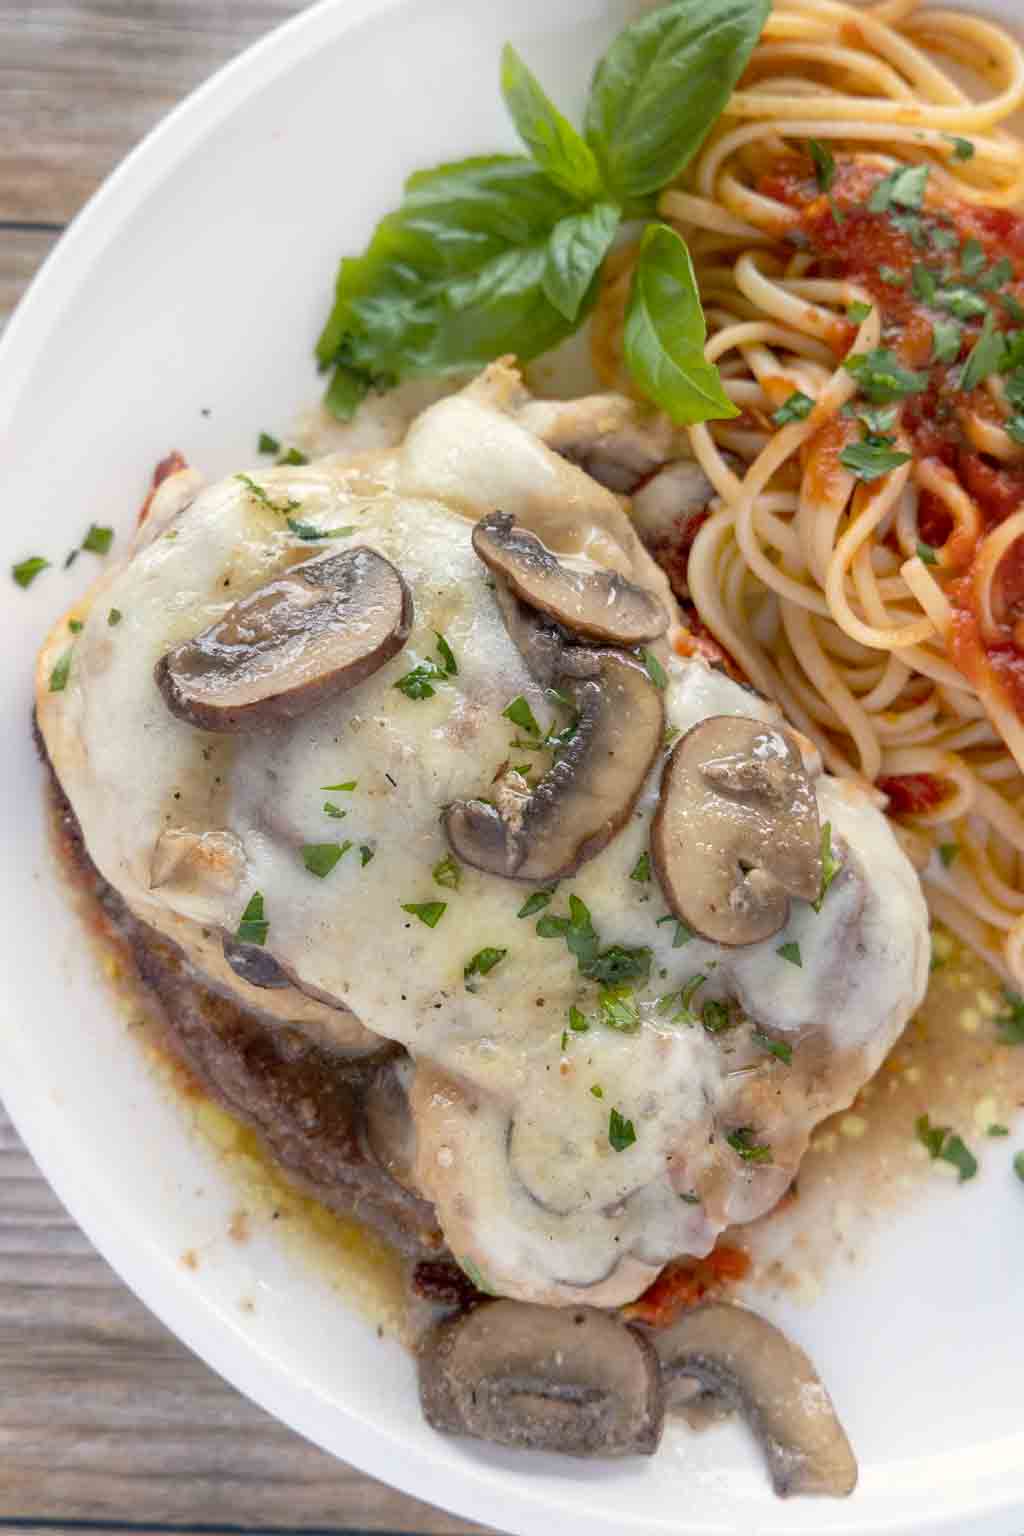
[930, 265]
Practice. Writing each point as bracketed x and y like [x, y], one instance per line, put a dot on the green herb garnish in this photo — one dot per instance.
[1018, 1166]
[926, 553]
[947, 339]
[984, 356]
[61, 672]
[940, 1142]
[446, 654]
[365, 854]
[791, 952]
[641, 870]
[330, 809]
[998, 1130]
[871, 459]
[447, 872]
[743, 1143]
[577, 1021]
[963, 149]
[830, 865]
[824, 162]
[114, 617]
[75, 626]
[776, 1048]
[483, 962]
[882, 378]
[597, 1091]
[535, 902]
[429, 912]
[655, 671]
[620, 1131]
[294, 456]
[311, 533]
[948, 852]
[858, 311]
[320, 858]
[26, 571]
[521, 715]
[797, 408]
[98, 540]
[618, 1011]
[716, 1017]
[905, 187]
[682, 934]
[253, 926]
[1011, 1023]
[268, 444]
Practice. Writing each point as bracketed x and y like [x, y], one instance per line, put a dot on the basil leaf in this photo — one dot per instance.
[346, 392]
[824, 162]
[871, 460]
[563, 156]
[985, 355]
[451, 279]
[665, 333]
[662, 84]
[576, 249]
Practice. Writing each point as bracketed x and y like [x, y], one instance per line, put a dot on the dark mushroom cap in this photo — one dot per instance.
[598, 605]
[253, 963]
[390, 1131]
[318, 629]
[586, 797]
[752, 1365]
[736, 831]
[573, 1380]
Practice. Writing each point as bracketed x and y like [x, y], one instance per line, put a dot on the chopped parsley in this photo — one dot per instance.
[881, 377]
[830, 865]
[366, 853]
[791, 952]
[268, 444]
[963, 149]
[1014, 308]
[985, 355]
[892, 276]
[320, 858]
[612, 966]
[98, 540]
[114, 617]
[777, 1048]
[655, 670]
[257, 491]
[76, 626]
[620, 1131]
[926, 554]
[577, 1021]
[973, 260]
[346, 788]
[520, 713]
[483, 962]
[310, 532]
[947, 339]
[419, 682]
[641, 870]
[716, 1017]
[535, 902]
[682, 934]
[447, 872]
[1018, 1166]
[743, 1144]
[905, 187]
[446, 654]
[619, 1012]
[330, 809]
[797, 408]
[948, 852]
[1011, 1023]
[962, 302]
[26, 571]
[871, 459]
[879, 419]
[997, 276]
[824, 162]
[597, 1091]
[998, 1130]
[61, 672]
[857, 312]
[429, 912]
[940, 1142]
[294, 456]
[254, 926]
[923, 283]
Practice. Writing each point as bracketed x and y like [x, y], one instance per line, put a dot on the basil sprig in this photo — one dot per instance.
[501, 253]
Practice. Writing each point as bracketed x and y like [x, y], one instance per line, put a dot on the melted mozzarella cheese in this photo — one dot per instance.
[512, 1107]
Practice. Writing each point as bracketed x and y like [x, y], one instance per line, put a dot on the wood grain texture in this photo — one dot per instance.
[104, 1415]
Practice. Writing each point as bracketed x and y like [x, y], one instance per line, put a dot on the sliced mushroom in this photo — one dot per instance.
[318, 629]
[736, 832]
[253, 964]
[669, 504]
[539, 641]
[587, 795]
[744, 1359]
[599, 605]
[390, 1131]
[573, 1380]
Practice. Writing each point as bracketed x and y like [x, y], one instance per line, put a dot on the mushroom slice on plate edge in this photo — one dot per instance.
[312, 632]
[745, 1360]
[598, 605]
[586, 797]
[736, 832]
[568, 1379]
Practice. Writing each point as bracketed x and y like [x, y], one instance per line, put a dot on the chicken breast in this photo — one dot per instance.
[582, 1115]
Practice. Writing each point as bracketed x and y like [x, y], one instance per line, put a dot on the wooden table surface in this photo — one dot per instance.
[104, 1416]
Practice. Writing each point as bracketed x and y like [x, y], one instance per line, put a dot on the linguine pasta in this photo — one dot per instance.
[882, 613]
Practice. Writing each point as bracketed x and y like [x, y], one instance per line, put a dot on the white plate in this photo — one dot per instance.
[196, 282]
